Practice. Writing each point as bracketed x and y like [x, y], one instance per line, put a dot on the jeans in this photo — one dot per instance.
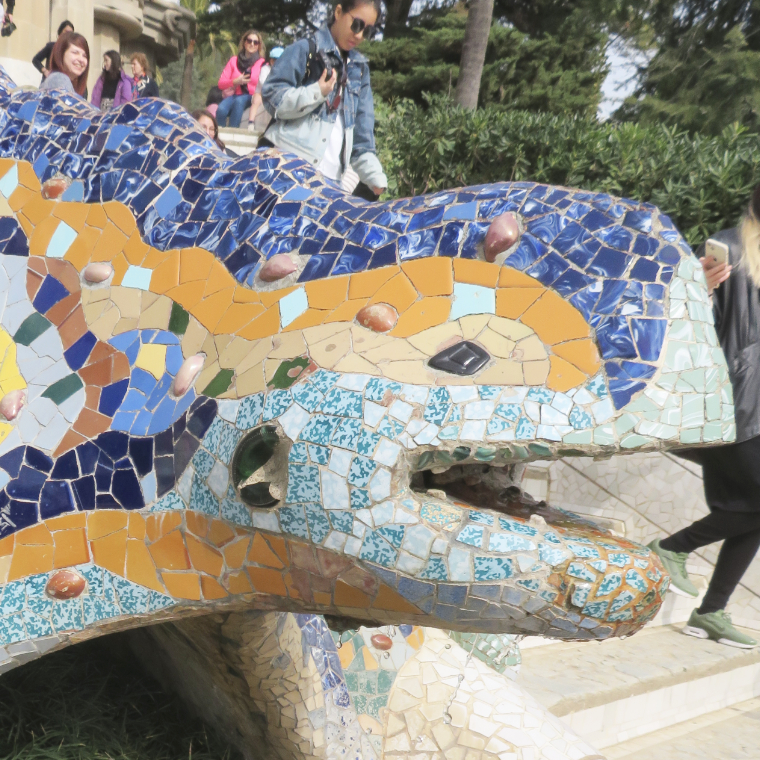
[232, 107]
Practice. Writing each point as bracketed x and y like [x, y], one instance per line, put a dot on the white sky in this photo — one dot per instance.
[620, 82]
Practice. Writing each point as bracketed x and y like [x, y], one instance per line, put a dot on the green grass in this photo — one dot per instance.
[94, 702]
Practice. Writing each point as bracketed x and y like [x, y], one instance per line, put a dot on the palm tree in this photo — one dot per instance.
[476, 35]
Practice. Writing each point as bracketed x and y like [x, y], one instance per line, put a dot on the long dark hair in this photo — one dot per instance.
[115, 71]
[63, 43]
[203, 112]
[349, 5]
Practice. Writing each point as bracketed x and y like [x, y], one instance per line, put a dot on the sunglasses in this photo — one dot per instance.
[359, 26]
[252, 41]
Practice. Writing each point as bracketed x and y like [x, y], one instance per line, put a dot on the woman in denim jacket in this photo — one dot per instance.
[329, 122]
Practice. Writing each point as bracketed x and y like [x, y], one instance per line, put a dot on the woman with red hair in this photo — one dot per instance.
[69, 64]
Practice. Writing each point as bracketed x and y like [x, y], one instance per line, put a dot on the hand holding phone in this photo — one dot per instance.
[715, 264]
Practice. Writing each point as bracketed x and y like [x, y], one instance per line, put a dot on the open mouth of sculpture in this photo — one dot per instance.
[457, 477]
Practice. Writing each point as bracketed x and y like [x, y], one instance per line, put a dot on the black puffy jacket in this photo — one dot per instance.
[736, 307]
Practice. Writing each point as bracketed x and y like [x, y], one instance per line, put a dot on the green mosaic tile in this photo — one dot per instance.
[220, 383]
[64, 388]
[31, 329]
[179, 320]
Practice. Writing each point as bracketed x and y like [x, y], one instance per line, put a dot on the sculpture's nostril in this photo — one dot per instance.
[463, 358]
[250, 474]
[501, 235]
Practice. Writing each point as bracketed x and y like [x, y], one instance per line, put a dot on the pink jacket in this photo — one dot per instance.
[231, 72]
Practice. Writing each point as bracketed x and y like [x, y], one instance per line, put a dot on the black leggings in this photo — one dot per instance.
[740, 532]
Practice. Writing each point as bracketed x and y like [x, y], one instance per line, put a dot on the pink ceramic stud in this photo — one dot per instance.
[502, 235]
[97, 272]
[65, 584]
[379, 317]
[277, 267]
[187, 374]
[11, 404]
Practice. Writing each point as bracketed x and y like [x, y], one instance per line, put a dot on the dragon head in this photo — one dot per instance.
[228, 384]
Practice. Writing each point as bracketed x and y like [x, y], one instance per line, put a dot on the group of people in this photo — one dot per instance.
[65, 65]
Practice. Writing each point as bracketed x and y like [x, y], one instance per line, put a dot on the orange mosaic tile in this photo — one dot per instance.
[30, 560]
[140, 567]
[327, 294]
[388, 599]
[366, 284]
[262, 554]
[204, 557]
[37, 534]
[512, 303]
[110, 551]
[65, 522]
[220, 533]
[183, 585]
[431, 277]
[235, 553]
[170, 553]
[564, 376]
[70, 547]
[238, 583]
[348, 596]
[160, 524]
[398, 292]
[267, 581]
[422, 314]
[211, 588]
[555, 320]
[582, 353]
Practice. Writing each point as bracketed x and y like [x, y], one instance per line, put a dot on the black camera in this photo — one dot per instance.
[7, 29]
[329, 60]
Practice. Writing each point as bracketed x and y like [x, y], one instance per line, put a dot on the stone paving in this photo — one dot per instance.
[729, 734]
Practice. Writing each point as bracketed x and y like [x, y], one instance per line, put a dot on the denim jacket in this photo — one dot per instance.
[302, 118]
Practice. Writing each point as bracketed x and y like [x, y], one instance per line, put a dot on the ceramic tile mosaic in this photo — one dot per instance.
[225, 383]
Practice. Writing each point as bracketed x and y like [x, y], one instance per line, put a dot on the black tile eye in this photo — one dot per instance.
[463, 358]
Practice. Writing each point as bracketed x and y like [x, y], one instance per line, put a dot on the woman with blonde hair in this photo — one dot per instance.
[239, 79]
[731, 472]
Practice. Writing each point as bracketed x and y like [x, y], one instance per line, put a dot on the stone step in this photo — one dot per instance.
[613, 691]
[729, 734]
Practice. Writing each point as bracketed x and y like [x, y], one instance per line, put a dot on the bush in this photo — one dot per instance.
[703, 183]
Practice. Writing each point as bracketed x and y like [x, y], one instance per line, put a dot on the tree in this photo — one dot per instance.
[474, 48]
[283, 20]
[559, 74]
[723, 89]
[703, 72]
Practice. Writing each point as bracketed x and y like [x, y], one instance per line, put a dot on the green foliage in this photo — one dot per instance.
[207, 66]
[703, 183]
[702, 89]
[556, 74]
[92, 703]
[704, 72]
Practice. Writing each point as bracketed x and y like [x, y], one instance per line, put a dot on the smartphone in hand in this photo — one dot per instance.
[716, 250]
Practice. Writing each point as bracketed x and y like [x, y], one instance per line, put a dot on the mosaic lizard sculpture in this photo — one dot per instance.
[228, 386]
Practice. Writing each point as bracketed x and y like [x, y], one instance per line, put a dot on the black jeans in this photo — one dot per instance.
[740, 533]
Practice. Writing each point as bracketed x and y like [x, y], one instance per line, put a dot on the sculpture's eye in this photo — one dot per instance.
[463, 358]
[253, 465]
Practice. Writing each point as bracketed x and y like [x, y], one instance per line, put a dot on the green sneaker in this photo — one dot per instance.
[675, 567]
[718, 627]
